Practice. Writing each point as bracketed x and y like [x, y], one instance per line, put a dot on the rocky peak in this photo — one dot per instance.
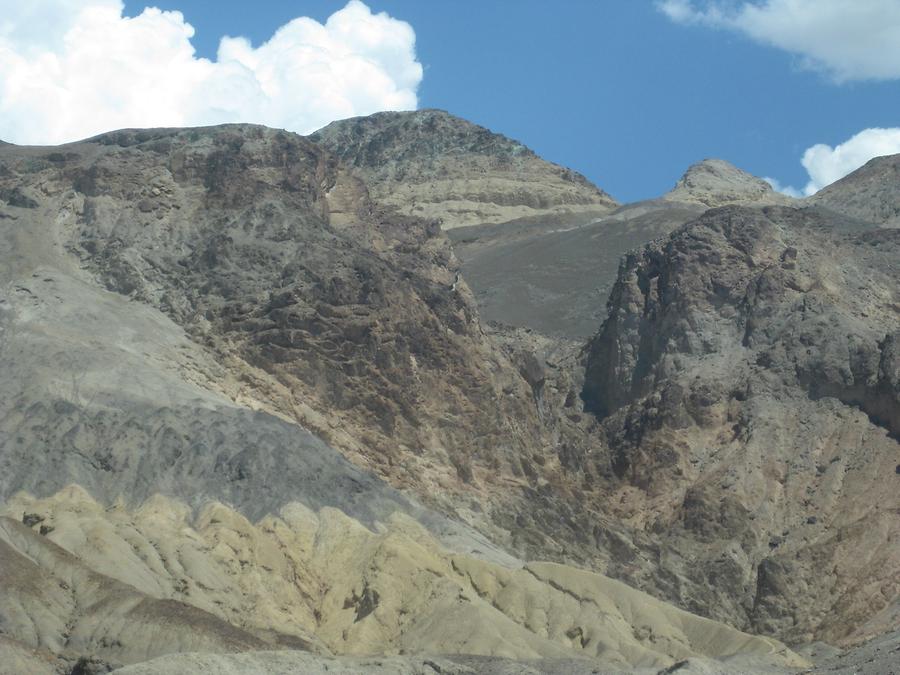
[418, 134]
[430, 163]
[715, 182]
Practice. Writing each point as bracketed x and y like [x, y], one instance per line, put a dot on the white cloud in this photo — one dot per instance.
[846, 39]
[825, 164]
[783, 189]
[70, 69]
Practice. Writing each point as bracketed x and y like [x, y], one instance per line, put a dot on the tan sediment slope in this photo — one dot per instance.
[299, 663]
[19, 659]
[324, 582]
[429, 163]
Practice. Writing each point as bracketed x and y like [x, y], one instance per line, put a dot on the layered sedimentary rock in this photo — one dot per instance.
[431, 164]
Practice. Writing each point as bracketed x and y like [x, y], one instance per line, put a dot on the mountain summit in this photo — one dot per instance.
[432, 164]
[715, 182]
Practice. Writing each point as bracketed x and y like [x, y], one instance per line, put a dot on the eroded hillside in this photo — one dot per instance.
[290, 428]
[321, 582]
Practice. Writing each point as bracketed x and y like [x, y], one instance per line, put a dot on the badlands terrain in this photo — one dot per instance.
[402, 397]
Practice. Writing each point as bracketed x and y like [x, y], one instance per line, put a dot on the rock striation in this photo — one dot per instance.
[431, 164]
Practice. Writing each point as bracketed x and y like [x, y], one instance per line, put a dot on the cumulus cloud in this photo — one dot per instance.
[70, 69]
[847, 40]
[826, 164]
[783, 189]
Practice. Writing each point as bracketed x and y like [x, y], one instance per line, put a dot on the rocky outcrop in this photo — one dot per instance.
[871, 193]
[431, 164]
[335, 312]
[746, 379]
[715, 182]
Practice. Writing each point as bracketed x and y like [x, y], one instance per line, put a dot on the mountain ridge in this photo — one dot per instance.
[406, 160]
[269, 318]
[869, 194]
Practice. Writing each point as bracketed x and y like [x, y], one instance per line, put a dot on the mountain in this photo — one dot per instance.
[871, 193]
[248, 408]
[250, 405]
[715, 182]
[679, 471]
[429, 163]
[542, 279]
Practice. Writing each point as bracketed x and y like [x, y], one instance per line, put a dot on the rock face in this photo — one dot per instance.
[243, 267]
[871, 193]
[431, 164]
[714, 182]
[331, 310]
[747, 381]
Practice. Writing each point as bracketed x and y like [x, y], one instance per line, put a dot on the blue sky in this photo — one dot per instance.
[615, 89]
